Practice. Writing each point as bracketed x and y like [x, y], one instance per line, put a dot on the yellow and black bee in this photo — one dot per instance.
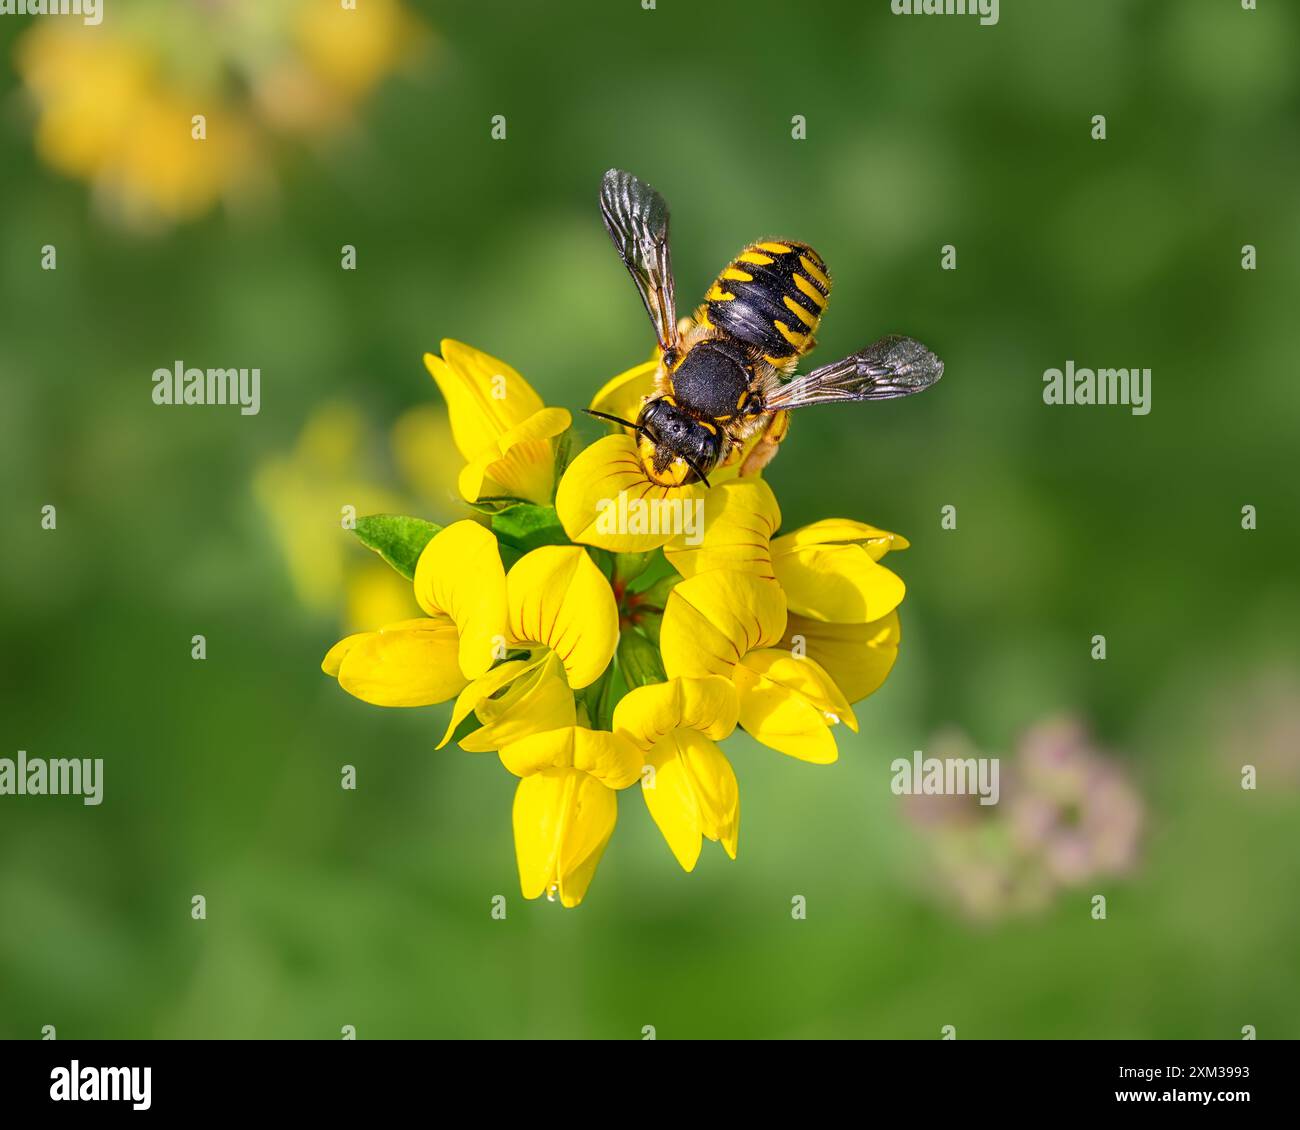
[723, 373]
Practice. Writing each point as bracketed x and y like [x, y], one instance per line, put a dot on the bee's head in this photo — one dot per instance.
[676, 447]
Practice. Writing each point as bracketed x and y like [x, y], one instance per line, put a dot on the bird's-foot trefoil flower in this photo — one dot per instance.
[828, 570]
[728, 623]
[688, 784]
[592, 649]
[500, 426]
[460, 584]
[561, 613]
[565, 805]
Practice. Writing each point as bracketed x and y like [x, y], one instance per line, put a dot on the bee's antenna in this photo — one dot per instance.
[615, 420]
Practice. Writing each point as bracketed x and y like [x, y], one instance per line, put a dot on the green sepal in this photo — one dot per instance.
[398, 539]
[493, 506]
[650, 623]
[603, 695]
[639, 661]
[563, 448]
[629, 566]
[657, 570]
[656, 595]
[603, 559]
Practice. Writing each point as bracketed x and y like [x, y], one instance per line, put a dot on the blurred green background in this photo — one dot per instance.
[372, 908]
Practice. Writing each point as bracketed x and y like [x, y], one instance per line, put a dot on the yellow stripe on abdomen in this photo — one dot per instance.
[771, 296]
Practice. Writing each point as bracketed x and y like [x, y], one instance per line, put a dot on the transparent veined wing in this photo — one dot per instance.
[637, 219]
[891, 367]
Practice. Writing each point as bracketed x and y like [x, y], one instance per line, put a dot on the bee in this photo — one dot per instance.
[726, 375]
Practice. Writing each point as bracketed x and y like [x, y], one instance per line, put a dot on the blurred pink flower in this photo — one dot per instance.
[1071, 805]
[1068, 815]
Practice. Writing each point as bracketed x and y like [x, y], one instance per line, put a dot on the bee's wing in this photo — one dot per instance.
[637, 219]
[893, 366]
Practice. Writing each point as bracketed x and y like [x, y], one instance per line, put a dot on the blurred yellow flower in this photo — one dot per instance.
[426, 457]
[304, 494]
[375, 594]
[332, 465]
[118, 104]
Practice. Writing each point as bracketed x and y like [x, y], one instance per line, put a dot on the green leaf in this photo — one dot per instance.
[399, 540]
[526, 527]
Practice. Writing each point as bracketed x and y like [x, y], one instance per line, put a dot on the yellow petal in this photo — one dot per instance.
[804, 677]
[481, 689]
[559, 599]
[485, 396]
[786, 703]
[837, 583]
[624, 394]
[521, 464]
[692, 793]
[563, 818]
[609, 757]
[740, 518]
[536, 699]
[874, 540]
[460, 575]
[647, 714]
[588, 501]
[858, 657]
[334, 657]
[410, 663]
[712, 619]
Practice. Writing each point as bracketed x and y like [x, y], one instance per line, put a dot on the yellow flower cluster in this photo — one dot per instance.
[333, 472]
[116, 103]
[590, 655]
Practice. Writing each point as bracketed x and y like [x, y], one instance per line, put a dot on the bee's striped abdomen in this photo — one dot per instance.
[771, 296]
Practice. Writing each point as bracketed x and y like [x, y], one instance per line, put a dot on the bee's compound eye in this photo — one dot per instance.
[649, 418]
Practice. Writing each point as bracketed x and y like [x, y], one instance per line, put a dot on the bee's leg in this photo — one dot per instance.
[764, 451]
